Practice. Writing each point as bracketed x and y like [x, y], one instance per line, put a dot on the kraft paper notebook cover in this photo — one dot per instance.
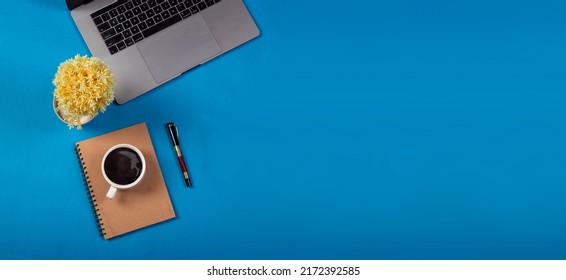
[146, 204]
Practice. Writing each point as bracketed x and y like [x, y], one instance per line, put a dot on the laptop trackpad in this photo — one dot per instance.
[178, 48]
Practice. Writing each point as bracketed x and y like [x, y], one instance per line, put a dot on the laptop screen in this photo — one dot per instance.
[71, 4]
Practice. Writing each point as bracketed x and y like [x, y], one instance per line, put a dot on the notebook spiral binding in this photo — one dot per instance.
[90, 193]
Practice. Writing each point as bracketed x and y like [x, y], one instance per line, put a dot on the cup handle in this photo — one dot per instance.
[111, 192]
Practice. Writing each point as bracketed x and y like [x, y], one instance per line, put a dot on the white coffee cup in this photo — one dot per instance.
[123, 167]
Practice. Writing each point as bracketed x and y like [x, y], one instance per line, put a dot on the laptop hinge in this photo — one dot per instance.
[71, 4]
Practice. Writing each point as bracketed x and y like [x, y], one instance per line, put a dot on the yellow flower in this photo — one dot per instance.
[83, 87]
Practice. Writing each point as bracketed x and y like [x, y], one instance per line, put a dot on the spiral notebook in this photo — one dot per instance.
[146, 204]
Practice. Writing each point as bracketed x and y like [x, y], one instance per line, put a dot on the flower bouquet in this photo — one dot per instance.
[84, 86]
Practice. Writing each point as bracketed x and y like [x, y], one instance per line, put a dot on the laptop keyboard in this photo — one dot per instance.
[124, 23]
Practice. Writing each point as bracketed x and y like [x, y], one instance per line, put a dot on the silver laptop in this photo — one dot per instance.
[147, 43]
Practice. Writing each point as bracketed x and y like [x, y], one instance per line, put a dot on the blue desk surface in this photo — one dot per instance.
[347, 130]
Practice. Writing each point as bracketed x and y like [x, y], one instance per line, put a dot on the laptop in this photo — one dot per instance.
[147, 43]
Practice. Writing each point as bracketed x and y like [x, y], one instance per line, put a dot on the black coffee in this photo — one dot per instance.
[123, 166]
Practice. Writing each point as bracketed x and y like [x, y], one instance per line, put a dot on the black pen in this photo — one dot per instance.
[175, 138]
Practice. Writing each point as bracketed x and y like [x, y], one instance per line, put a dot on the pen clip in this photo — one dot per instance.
[174, 133]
